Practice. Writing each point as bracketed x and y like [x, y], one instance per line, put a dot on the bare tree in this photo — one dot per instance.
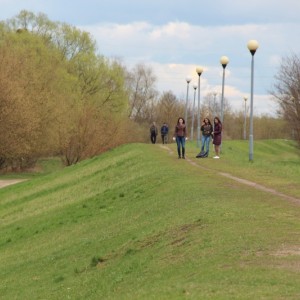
[287, 92]
[169, 108]
[142, 92]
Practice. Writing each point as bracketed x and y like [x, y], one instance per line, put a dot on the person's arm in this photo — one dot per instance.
[218, 130]
[175, 133]
[202, 128]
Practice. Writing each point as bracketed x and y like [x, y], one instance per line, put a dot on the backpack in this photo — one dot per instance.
[164, 129]
[202, 154]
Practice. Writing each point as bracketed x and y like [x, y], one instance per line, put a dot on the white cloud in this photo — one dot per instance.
[176, 48]
[175, 38]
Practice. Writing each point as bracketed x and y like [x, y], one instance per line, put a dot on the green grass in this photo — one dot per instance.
[276, 163]
[137, 223]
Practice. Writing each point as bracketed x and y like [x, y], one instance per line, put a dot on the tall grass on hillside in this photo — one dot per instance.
[137, 223]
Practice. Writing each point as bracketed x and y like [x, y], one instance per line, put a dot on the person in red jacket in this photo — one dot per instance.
[180, 137]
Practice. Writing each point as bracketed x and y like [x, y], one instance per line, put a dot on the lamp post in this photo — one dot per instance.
[252, 46]
[214, 105]
[199, 71]
[224, 61]
[188, 80]
[245, 114]
[193, 113]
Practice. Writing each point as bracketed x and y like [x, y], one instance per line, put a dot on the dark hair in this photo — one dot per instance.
[207, 120]
[219, 121]
[182, 120]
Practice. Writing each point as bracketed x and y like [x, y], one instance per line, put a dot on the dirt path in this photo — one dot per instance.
[241, 180]
[6, 182]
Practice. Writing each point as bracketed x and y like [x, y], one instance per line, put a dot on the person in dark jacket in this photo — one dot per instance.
[164, 133]
[153, 133]
[217, 136]
[206, 130]
[180, 137]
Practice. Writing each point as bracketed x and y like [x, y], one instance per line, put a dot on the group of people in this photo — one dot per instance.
[164, 130]
[209, 131]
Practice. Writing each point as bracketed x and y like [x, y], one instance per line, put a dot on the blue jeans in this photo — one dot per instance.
[180, 140]
[205, 143]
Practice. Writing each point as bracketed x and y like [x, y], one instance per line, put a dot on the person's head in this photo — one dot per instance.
[180, 120]
[206, 121]
[217, 120]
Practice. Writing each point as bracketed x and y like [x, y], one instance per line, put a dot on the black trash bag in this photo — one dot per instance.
[202, 154]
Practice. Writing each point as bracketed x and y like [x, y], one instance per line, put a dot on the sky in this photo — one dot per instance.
[174, 37]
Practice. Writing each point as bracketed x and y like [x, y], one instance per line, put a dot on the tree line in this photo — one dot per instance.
[58, 96]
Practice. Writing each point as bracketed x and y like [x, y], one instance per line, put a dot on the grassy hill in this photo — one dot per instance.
[137, 223]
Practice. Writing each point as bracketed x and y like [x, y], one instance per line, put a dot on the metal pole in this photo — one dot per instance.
[222, 99]
[187, 99]
[193, 114]
[251, 112]
[198, 115]
[214, 108]
[245, 118]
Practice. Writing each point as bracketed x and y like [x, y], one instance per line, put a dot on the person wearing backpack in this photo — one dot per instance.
[164, 130]
[153, 133]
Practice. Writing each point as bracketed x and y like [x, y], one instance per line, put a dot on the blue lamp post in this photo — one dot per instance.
[245, 117]
[252, 46]
[188, 80]
[214, 105]
[224, 61]
[199, 71]
[193, 112]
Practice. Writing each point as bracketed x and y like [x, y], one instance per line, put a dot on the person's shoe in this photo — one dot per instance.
[216, 156]
[179, 157]
[183, 157]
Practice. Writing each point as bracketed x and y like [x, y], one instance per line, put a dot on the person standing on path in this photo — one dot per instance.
[206, 130]
[153, 133]
[164, 133]
[217, 136]
[180, 137]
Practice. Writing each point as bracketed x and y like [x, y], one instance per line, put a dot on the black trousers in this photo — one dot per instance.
[153, 138]
[164, 138]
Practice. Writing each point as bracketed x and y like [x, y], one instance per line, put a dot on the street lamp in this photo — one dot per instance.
[188, 80]
[224, 61]
[252, 46]
[193, 113]
[199, 71]
[214, 107]
[245, 99]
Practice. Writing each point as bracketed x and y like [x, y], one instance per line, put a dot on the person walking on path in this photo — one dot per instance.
[180, 137]
[217, 136]
[153, 133]
[206, 130]
[164, 133]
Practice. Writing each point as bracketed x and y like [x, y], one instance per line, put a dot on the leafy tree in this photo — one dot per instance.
[33, 82]
[57, 90]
